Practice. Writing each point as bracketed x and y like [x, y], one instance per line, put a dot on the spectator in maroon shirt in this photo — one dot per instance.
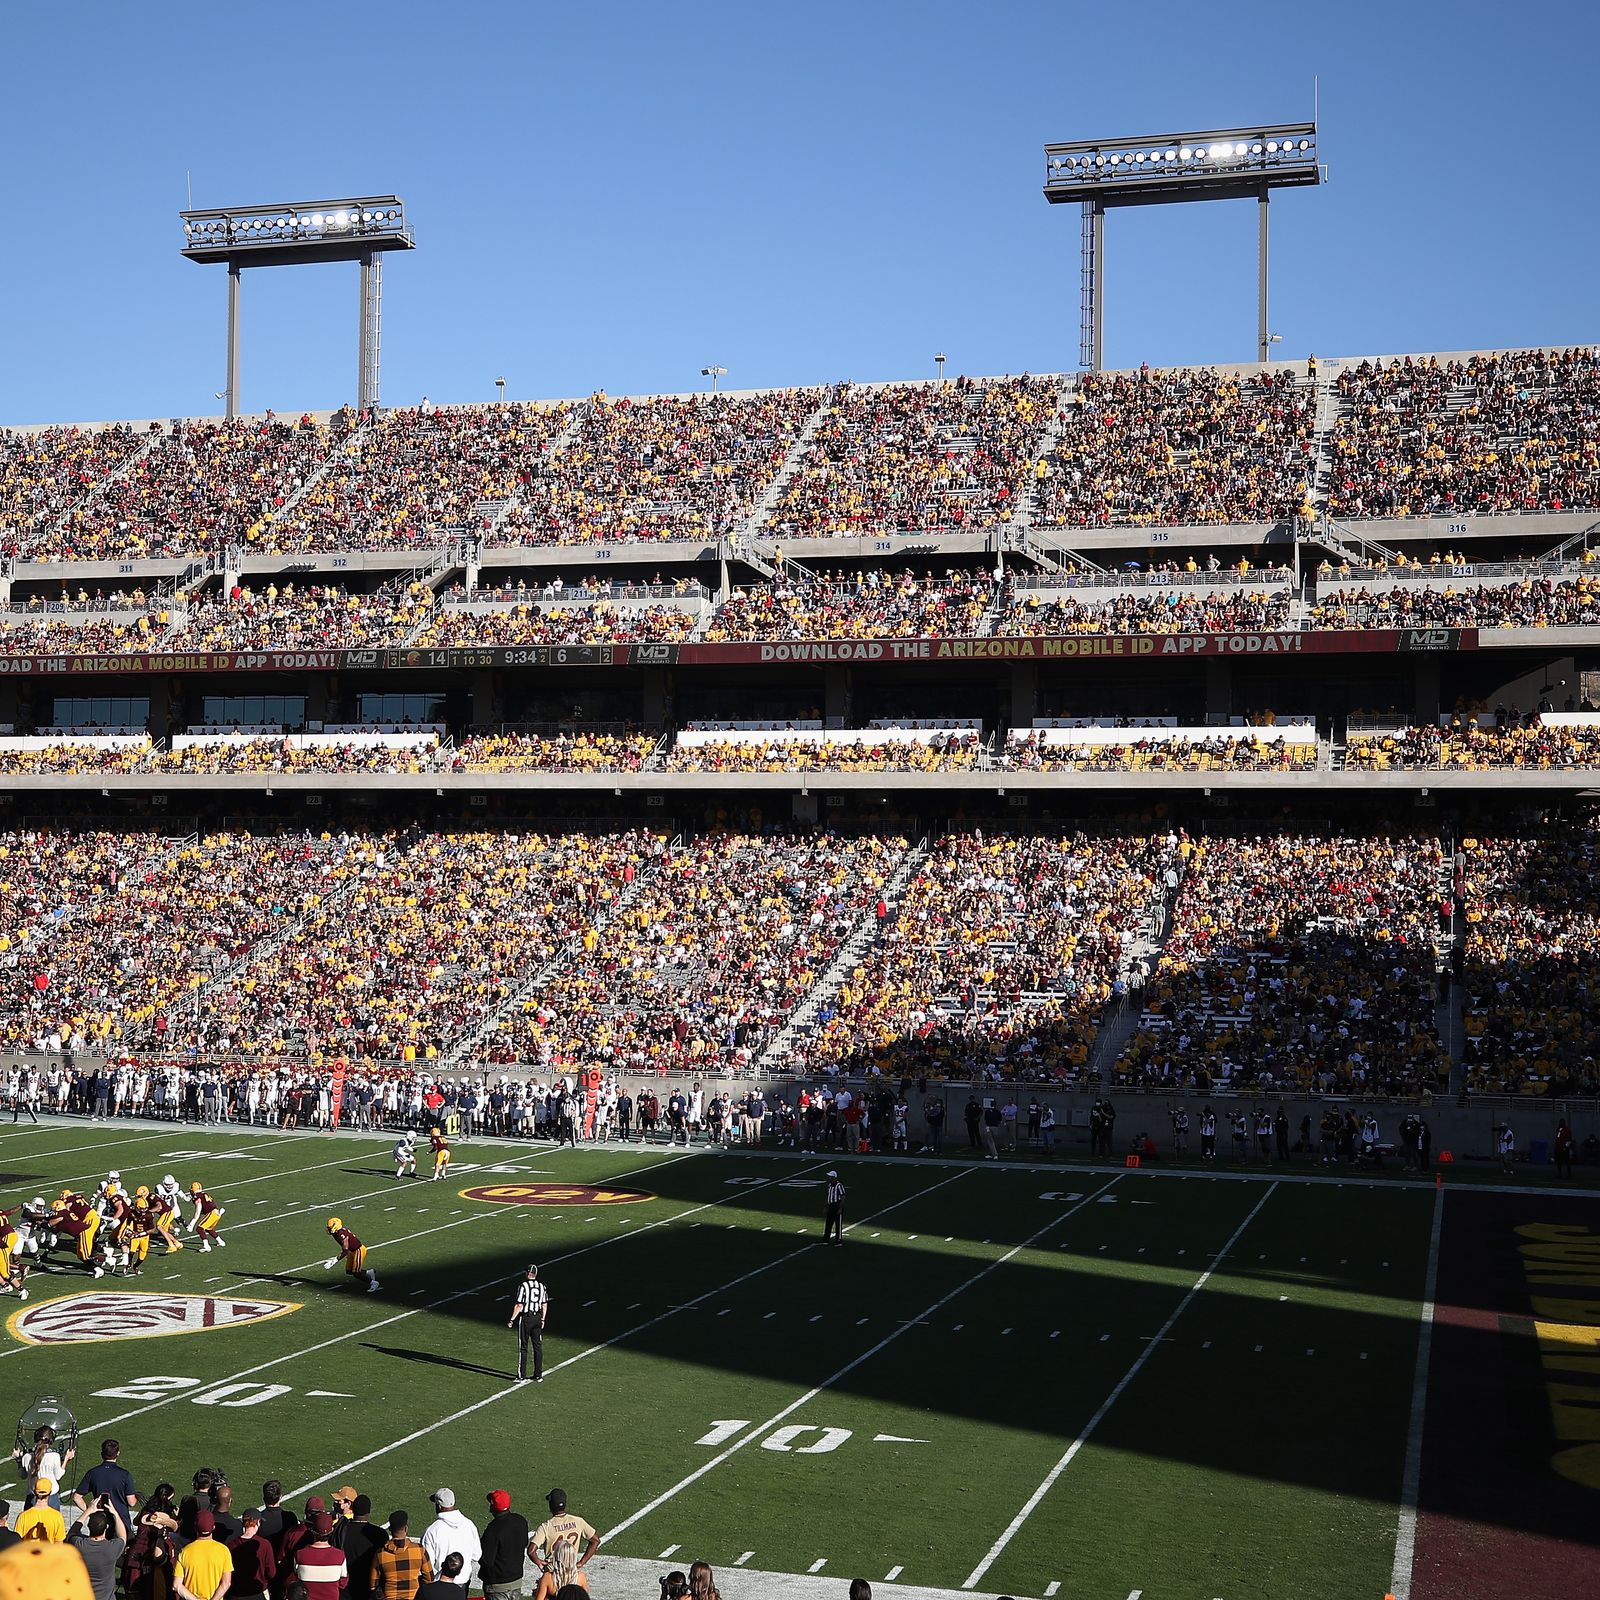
[255, 1567]
[296, 1536]
[318, 1563]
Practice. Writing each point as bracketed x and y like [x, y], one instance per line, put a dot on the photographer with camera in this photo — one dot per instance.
[100, 1538]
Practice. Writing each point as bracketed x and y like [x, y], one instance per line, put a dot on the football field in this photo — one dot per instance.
[1010, 1379]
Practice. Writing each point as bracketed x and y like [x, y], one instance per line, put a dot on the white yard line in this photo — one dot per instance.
[850, 1366]
[1405, 1543]
[1032, 1503]
[627, 1333]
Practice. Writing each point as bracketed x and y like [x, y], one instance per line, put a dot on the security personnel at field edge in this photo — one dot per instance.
[833, 1210]
[1208, 1135]
[528, 1313]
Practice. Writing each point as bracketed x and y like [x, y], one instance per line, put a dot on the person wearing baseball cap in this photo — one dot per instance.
[41, 1520]
[561, 1525]
[451, 1530]
[505, 1542]
[202, 1564]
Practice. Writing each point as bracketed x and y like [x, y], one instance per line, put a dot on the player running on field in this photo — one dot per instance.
[12, 1271]
[115, 1210]
[206, 1220]
[141, 1224]
[441, 1153]
[405, 1157]
[353, 1253]
[167, 1203]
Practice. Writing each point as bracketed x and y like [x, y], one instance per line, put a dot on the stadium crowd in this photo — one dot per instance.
[1180, 446]
[917, 458]
[675, 467]
[579, 750]
[1226, 752]
[1033, 613]
[603, 622]
[867, 605]
[1530, 603]
[412, 478]
[302, 617]
[998, 960]
[955, 750]
[56, 633]
[43, 475]
[707, 957]
[1532, 926]
[1298, 963]
[1516, 431]
[1464, 744]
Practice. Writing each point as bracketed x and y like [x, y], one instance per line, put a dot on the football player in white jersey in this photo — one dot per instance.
[405, 1157]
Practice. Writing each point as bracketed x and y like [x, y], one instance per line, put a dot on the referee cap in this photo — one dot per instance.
[533, 1269]
[833, 1174]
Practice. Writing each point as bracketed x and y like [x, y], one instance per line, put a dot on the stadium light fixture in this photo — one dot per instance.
[1222, 164]
[713, 373]
[938, 356]
[500, 386]
[361, 229]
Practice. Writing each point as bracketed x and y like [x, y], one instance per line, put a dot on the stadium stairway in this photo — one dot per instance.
[56, 529]
[468, 1043]
[569, 431]
[848, 956]
[790, 465]
[147, 1034]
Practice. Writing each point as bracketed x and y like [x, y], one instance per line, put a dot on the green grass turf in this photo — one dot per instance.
[1222, 1469]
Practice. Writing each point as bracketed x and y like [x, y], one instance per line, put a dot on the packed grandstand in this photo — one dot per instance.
[1086, 730]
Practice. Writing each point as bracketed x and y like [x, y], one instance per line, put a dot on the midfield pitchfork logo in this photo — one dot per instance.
[122, 1314]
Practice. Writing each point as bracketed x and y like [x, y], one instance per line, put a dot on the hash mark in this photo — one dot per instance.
[669, 1552]
[892, 1574]
[818, 1564]
[744, 1558]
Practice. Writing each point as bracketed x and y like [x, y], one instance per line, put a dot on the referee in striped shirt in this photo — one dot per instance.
[527, 1317]
[833, 1213]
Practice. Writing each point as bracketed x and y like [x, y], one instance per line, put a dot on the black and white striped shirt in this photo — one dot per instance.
[835, 1195]
[532, 1298]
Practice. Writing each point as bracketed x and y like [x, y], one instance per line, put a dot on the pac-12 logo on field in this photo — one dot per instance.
[555, 1194]
[121, 1314]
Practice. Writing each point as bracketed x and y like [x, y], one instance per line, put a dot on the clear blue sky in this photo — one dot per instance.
[616, 195]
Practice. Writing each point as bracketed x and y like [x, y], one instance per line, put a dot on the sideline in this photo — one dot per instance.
[1405, 1542]
[635, 1577]
[1032, 1504]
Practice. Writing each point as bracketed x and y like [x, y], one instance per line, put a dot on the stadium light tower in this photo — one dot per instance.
[292, 235]
[1226, 164]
